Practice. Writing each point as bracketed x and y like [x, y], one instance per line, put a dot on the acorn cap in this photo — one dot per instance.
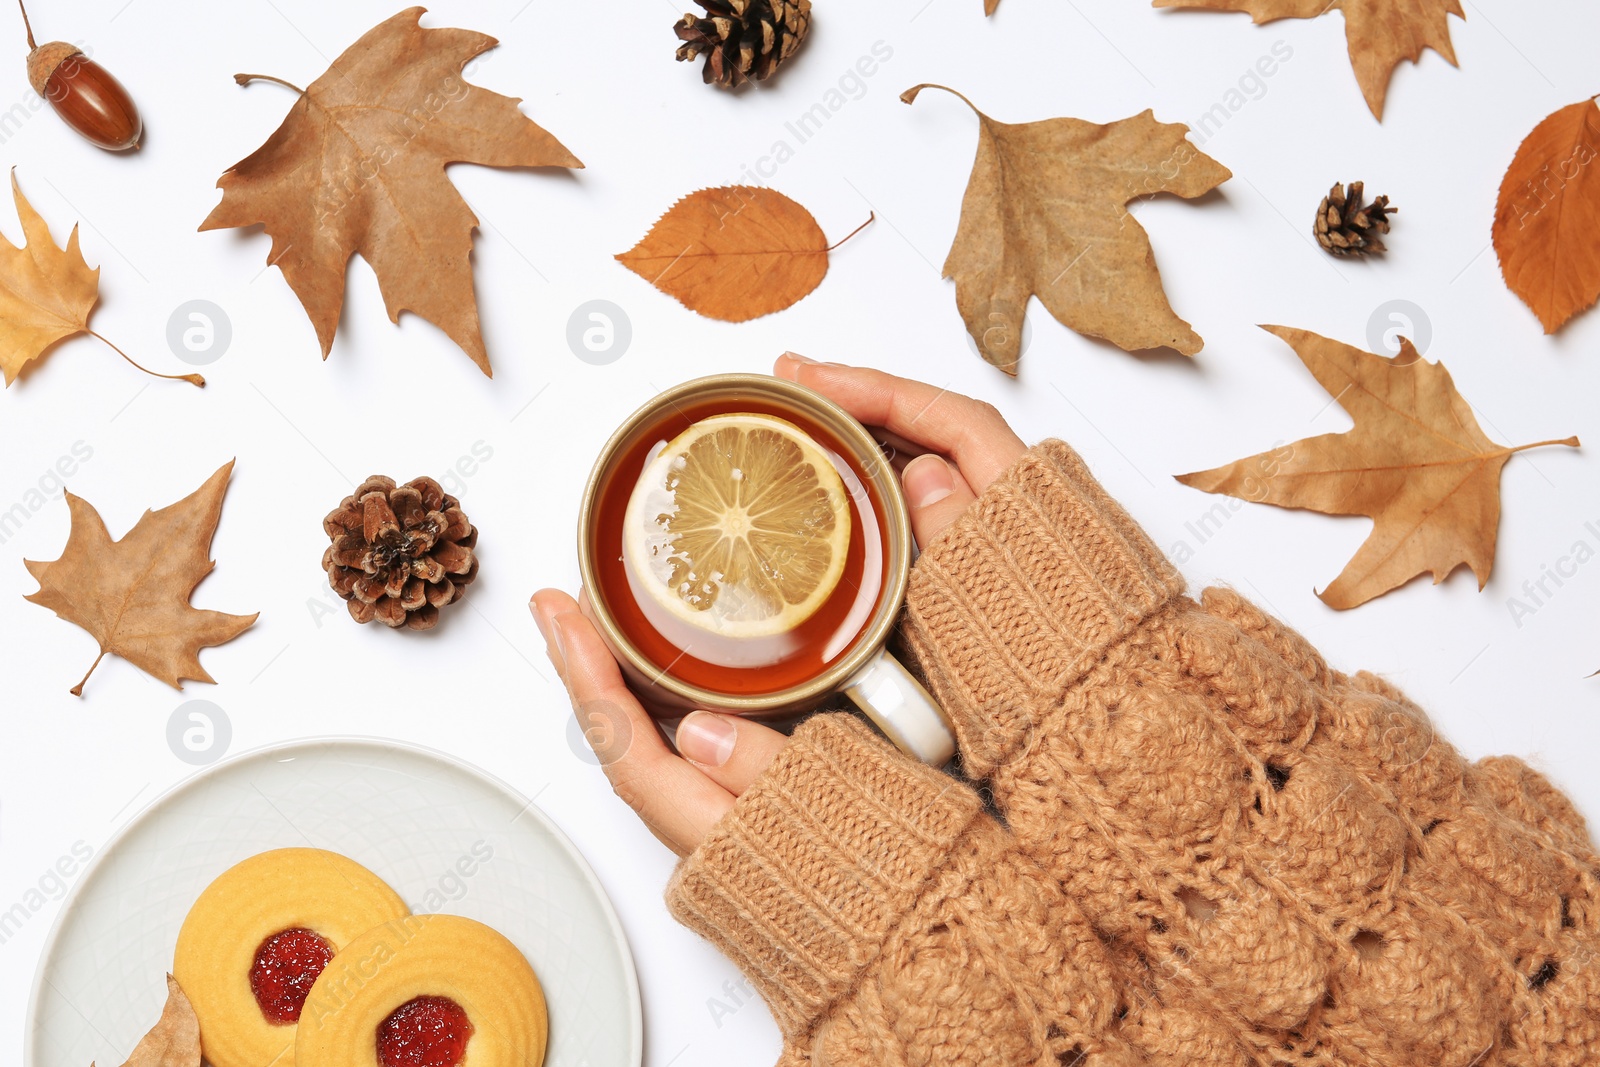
[43, 61]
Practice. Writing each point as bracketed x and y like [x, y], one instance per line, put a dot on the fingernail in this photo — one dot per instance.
[538, 618]
[927, 480]
[558, 638]
[706, 739]
[798, 358]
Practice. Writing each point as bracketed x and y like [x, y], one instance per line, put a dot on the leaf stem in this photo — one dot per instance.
[77, 690]
[870, 216]
[246, 79]
[910, 95]
[192, 379]
[27, 25]
[1570, 442]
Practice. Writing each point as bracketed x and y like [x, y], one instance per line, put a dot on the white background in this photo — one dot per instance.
[404, 401]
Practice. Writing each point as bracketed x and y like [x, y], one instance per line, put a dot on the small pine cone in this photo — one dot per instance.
[743, 39]
[1347, 227]
[399, 553]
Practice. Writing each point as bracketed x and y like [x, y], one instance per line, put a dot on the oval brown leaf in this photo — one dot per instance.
[1547, 220]
[733, 253]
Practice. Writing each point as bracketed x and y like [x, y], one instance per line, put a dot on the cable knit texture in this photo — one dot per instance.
[819, 860]
[1217, 851]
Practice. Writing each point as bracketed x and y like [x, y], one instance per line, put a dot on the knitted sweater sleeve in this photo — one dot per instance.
[1284, 863]
[1024, 594]
[886, 918]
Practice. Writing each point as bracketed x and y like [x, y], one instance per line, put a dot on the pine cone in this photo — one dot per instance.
[399, 553]
[743, 39]
[1347, 228]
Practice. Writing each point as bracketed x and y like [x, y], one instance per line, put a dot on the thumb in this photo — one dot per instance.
[729, 750]
[936, 493]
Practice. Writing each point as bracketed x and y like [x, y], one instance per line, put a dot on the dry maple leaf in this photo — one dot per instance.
[1045, 214]
[1547, 220]
[175, 1040]
[1416, 463]
[359, 166]
[133, 595]
[1379, 33]
[734, 253]
[46, 294]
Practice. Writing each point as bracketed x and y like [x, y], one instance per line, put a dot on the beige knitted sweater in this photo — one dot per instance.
[1211, 849]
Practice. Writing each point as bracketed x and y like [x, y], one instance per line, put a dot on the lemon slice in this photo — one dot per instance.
[738, 527]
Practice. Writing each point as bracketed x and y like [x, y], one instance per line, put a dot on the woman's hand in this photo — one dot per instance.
[966, 442]
[681, 796]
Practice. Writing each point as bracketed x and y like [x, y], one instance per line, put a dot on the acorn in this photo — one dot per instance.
[83, 93]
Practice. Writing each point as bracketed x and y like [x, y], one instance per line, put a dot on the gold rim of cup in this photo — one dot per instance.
[868, 455]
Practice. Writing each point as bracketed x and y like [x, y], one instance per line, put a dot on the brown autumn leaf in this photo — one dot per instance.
[46, 294]
[175, 1040]
[1415, 463]
[1379, 33]
[1045, 214]
[359, 167]
[734, 253]
[989, 6]
[1547, 220]
[133, 595]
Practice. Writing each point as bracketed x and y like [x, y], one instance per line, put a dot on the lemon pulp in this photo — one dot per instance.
[738, 527]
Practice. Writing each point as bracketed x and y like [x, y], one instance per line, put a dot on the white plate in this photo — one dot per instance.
[410, 815]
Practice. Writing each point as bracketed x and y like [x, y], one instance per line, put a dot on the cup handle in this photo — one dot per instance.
[899, 706]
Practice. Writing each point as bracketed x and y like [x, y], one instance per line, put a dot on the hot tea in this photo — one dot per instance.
[738, 545]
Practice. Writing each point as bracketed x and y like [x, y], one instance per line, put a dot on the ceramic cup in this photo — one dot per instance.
[865, 672]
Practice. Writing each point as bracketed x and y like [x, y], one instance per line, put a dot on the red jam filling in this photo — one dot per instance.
[286, 965]
[424, 1032]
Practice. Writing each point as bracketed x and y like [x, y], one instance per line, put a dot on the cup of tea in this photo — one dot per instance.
[746, 548]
